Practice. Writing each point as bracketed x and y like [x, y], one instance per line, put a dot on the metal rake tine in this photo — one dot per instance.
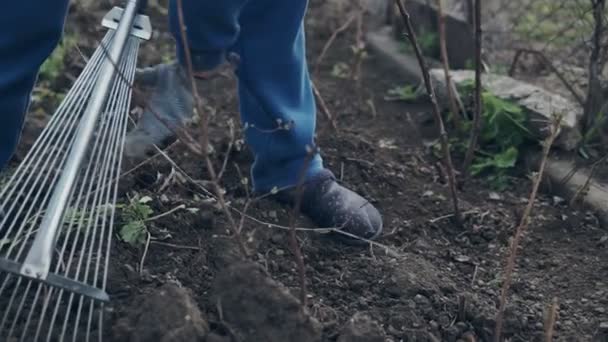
[122, 106]
[59, 115]
[38, 260]
[103, 160]
[91, 193]
[89, 209]
[85, 81]
[59, 130]
[80, 204]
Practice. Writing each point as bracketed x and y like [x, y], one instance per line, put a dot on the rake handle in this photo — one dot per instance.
[38, 260]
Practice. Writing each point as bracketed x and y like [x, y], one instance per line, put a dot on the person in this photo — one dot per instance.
[277, 105]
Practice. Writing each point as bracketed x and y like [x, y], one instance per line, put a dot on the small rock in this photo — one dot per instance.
[462, 258]
[421, 300]
[600, 310]
[361, 328]
[412, 275]
[495, 196]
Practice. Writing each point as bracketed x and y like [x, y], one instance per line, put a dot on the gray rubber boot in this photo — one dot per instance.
[331, 205]
[169, 103]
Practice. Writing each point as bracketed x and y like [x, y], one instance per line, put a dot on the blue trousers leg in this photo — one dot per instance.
[277, 105]
[29, 31]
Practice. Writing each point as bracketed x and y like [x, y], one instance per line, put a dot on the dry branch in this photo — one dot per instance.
[596, 92]
[446, 65]
[468, 159]
[523, 224]
[447, 157]
[330, 41]
[204, 142]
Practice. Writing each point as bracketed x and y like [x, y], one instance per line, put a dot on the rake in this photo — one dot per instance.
[57, 209]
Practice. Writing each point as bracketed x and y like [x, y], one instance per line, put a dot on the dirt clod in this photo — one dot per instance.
[361, 328]
[260, 309]
[413, 276]
[169, 314]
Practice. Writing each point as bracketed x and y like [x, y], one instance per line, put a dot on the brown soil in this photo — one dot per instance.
[433, 281]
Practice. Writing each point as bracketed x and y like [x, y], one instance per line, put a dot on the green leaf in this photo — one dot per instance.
[145, 199]
[134, 233]
[506, 159]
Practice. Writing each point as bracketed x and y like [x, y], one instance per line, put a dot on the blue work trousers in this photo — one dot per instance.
[277, 104]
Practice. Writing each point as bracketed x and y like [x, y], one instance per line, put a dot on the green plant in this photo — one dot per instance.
[134, 216]
[502, 136]
[55, 64]
[403, 93]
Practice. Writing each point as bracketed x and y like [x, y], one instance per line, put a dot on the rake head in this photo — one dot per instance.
[57, 208]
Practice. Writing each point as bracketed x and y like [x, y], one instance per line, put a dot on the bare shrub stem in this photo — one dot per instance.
[446, 65]
[470, 154]
[447, 158]
[204, 142]
[523, 224]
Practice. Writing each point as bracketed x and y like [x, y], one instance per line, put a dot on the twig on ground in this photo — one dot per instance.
[440, 218]
[447, 158]
[470, 154]
[550, 323]
[446, 65]
[179, 207]
[143, 257]
[166, 244]
[523, 224]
